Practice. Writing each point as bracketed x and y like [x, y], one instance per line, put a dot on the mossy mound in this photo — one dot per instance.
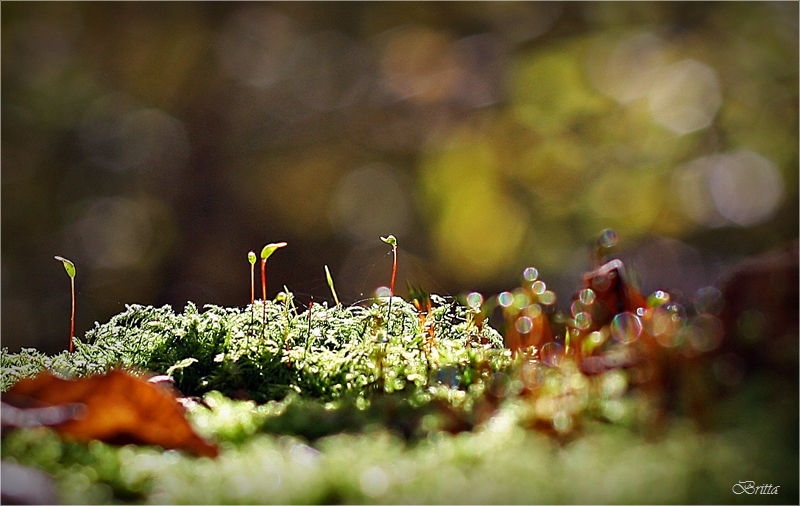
[264, 351]
[392, 404]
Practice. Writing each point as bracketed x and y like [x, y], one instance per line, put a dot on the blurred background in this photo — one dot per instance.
[155, 144]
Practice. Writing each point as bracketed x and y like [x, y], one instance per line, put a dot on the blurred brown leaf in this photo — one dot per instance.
[120, 409]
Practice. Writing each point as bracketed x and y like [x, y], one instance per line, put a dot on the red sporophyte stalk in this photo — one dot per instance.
[391, 241]
[266, 252]
[70, 268]
[263, 279]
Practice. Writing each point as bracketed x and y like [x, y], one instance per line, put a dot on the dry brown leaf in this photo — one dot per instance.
[120, 408]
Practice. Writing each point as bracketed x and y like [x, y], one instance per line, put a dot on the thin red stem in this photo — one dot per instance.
[264, 279]
[394, 269]
[391, 294]
[72, 317]
[263, 295]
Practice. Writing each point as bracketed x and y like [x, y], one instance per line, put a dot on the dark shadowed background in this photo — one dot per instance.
[155, 144]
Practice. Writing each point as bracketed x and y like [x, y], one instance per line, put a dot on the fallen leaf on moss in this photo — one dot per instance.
[119, 409]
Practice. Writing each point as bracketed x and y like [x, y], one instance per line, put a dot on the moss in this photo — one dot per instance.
[322, 353]
[337, 406]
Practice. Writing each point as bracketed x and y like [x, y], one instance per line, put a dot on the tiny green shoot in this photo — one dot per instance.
[290, 299]
[330, 285]
[70, 268]
[391, 241]
[266, 252]
[251, 257]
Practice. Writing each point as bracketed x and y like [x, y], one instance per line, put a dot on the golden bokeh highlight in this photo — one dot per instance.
[478, 228]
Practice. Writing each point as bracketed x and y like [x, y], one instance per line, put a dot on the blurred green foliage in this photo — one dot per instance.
[155, 143]
[500, 464]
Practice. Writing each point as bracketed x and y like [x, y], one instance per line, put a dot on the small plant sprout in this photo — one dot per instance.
[330, 285]
[391, 241]
[266, 252]
[70, 268]
[251, 257]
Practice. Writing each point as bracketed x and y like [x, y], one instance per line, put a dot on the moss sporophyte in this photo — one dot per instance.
[391, 241]
[266, 252]
[70, 268]
[329, 279]
[251, 257]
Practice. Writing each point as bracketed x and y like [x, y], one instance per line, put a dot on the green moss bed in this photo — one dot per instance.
[379, 403]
